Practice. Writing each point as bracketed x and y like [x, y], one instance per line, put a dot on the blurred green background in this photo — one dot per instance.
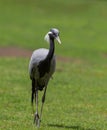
[78, 100]
[82, 24]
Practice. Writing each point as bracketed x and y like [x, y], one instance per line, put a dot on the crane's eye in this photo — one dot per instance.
[55, 35]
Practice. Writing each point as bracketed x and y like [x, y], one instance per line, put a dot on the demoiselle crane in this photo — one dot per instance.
[41, 67]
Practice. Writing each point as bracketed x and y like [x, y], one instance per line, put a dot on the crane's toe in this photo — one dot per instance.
[36, 119]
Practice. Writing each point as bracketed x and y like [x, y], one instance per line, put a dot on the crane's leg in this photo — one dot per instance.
[33, 93]
[36, 116]
[43, 100]
[35, 96]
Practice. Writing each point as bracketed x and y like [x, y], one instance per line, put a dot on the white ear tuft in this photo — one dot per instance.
[46, 38]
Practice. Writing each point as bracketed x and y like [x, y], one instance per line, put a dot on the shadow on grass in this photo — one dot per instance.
[69, 127]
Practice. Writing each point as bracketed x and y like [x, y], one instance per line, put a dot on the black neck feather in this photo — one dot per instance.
[51, 50]
[44, 66]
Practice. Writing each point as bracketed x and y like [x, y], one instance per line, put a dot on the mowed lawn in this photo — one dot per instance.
[77, 95]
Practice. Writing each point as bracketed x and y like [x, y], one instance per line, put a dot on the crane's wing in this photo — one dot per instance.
[37, 56]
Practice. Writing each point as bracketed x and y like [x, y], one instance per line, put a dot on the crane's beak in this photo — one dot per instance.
[58, 39]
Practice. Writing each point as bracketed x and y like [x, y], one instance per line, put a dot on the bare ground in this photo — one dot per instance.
[12, 51]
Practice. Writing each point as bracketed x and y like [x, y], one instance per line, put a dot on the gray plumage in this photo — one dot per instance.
[38, 56]
[41, 67]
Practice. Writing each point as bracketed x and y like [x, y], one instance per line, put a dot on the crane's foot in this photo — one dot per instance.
[37, 120]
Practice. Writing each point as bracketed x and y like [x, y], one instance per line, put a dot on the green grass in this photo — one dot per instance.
[77, 96]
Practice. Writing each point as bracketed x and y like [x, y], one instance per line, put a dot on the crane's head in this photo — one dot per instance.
[52, 34]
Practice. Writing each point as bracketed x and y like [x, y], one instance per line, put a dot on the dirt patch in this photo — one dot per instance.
[20, 52]
[14, 52]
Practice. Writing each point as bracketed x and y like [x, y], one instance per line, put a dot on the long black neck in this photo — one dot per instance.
[44, 66]
[51, 49]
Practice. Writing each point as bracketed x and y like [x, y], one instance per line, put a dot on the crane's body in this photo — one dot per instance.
[38, 56]
[41, 67]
